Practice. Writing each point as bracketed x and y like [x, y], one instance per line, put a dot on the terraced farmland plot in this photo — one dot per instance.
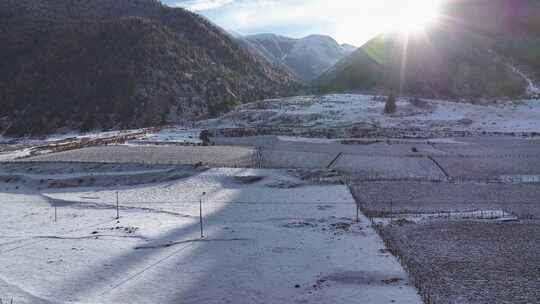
[296, 159]
[367, 147]
[376, 148]
[479, 167]
[262, 244]
[382, 167]
[378, 198]
[253, 141]
[471, 261]
[483, 146]
[221, 156]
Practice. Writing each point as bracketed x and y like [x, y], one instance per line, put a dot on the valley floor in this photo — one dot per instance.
[449, 208]
[366, 111]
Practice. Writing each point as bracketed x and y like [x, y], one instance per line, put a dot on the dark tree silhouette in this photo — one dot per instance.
[390, 107]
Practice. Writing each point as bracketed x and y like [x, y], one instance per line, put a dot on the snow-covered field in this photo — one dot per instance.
[348, 109]
[264, 242]
[66, 136]
[16, 148]
[171, 135]
[11, 155]
[91, 135]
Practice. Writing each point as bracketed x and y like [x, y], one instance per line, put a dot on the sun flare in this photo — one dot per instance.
[415, 16]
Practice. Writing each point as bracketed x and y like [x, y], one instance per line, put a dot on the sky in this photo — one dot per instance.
[347, 21]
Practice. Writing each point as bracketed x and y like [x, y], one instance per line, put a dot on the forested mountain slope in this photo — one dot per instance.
[80, 64]
[471, 52]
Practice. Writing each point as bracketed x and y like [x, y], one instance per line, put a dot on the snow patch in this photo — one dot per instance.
[532, 88]
[172, 135]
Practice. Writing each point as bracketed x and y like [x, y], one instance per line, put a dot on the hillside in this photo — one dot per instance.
[457, 58]
[73, 64]
[308, 57]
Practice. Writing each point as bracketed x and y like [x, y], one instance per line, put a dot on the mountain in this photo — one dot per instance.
[79, 64]
[348, 48]
[480, 48]
[307, 57]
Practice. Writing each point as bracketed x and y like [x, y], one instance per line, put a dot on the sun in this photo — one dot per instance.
[414, 16]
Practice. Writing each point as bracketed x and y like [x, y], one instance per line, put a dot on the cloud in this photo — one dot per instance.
[200, 5]
[351, 21]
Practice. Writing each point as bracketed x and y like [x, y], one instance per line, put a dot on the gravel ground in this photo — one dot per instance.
[470, 262]
[218, 156]
[521, 200]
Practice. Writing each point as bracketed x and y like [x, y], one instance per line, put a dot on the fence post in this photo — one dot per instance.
[117, 207]
[391, 212]
[55, 214]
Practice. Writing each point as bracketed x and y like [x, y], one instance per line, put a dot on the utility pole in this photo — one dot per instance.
[200, 214]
